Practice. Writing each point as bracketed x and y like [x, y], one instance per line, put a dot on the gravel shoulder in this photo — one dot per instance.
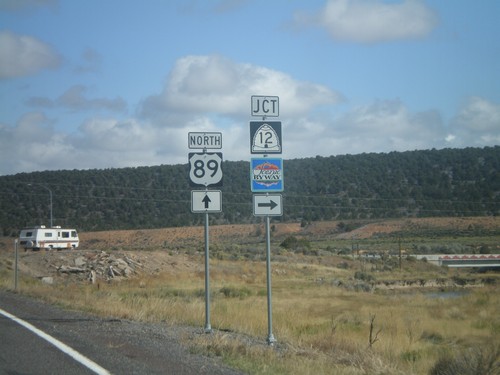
[121, 346]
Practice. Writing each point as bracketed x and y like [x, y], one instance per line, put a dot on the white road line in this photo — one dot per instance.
[58, 344]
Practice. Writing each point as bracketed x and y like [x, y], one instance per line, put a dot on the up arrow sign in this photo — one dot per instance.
[267, 205]
[206, 201]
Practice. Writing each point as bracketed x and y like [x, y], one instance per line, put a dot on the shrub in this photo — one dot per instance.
[432, 337]
[343, 265]
[233, 292]
[293, 243]
[359, 275]
[411, 356]
[472, 361]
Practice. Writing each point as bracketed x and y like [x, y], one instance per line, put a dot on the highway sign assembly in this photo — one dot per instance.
[267, 205]
[205, 201]
[205, 140]
[266, 174]
[265, 137]
[265, 106]
[205, 169]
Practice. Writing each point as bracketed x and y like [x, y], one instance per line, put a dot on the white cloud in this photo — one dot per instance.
[24, 55]
[476, 124]
[118, 136]
[32, 145]
[74, 99]
[372, 21]
[214, 84]
[382, 126]
[112, 143]
[187, 105]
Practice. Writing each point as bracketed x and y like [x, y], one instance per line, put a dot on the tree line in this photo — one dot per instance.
[448, 182]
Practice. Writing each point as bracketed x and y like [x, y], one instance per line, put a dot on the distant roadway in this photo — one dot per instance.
[114, 346]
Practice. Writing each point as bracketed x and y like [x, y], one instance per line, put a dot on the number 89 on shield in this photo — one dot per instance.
[205, 169]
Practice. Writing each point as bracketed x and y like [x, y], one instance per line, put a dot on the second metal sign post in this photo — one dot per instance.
[266, 175]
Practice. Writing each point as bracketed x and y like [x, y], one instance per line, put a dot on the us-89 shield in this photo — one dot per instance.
[205, 169]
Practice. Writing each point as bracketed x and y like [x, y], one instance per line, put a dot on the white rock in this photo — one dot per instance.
[48, 280]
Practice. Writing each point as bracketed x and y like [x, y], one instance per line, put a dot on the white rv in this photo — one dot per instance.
[40, 237]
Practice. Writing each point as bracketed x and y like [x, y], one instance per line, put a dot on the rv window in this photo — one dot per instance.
[73, 233]
[48, 234]
[65, 234]
[29, 234]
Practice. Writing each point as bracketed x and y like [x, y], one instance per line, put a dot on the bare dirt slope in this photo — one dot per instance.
[125, 253]
[170, 238]
[173, 237]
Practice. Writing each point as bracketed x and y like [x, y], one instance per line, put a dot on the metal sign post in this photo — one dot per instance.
[15, 266]
[270, 337]
[208, 327]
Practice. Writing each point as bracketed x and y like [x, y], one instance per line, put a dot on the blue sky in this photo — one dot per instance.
[121, 83]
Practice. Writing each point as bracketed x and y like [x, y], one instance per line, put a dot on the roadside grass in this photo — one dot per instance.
[320, 327]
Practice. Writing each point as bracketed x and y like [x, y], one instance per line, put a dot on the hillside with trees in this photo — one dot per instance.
[449, 182]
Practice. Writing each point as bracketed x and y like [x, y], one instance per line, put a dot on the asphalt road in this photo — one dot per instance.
[119, 346]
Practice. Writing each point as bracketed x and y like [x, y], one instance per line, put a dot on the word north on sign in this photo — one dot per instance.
[265, 137]
[208, 140]
[265, 106]
[205, 169]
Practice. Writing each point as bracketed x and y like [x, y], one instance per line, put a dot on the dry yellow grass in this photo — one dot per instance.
[321, 329]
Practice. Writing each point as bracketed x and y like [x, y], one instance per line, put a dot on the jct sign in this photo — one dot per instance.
[265, 106]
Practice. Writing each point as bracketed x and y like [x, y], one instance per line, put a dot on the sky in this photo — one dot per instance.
[90, 84]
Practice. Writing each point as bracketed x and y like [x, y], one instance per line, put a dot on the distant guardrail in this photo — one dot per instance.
[462, 260]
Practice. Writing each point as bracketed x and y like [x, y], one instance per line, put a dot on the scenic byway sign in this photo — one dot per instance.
[205, 169]
[204, 201]
[267, 205]
[266, 174]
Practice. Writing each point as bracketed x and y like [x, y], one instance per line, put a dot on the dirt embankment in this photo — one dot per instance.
[241, 233]
[125, 253]
[97, 265]
[170, 238]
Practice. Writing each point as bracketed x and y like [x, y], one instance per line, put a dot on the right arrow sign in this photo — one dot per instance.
[267, 205]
